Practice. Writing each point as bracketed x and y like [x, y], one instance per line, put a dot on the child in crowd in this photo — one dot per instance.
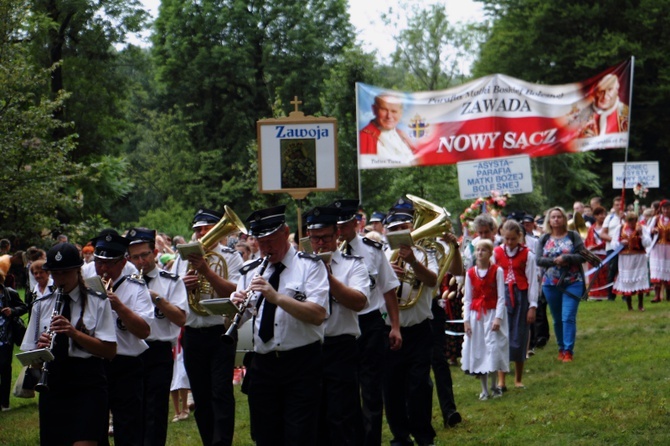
[518, 265]
[486, 346]
[633, 274]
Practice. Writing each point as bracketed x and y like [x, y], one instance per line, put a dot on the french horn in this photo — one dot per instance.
[228, 224]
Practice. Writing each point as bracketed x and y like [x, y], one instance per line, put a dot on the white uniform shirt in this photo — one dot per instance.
[233, 263]
[420, 311]
[612, 223]
[382, 278]
[303, 277]
[134, 295]
[97, 319]
[47, 290]
[172, 289]
[351, 271]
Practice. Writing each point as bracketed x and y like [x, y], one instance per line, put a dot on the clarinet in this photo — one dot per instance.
[228, 336]
[43, 384]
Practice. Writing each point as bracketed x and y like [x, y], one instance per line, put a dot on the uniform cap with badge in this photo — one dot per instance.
[400, 213]
[322, 217]
[377, 217]
[348, 209]
[62, 257]
[141, 235]
[267, 221]
[206, 217]
[110, 245]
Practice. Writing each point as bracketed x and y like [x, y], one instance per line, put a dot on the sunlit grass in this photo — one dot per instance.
[615, 392]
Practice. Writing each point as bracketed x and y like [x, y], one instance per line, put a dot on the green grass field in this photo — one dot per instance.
[615, 392]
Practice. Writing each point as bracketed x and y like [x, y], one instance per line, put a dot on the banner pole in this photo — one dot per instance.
[630, 109]
[358, 153]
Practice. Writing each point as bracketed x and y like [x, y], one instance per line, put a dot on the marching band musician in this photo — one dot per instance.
[208, 360]
[289, 304]
[168, 295]
[132, 311]
[373, 339]
[74, 410]
[349, 289]
[407, 382]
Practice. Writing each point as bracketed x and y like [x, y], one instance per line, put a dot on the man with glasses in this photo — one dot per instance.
[132, 312]
[340, 414]
[407, 382]
[374, 340]
[289, 306]
[168, 295]
[208, 360]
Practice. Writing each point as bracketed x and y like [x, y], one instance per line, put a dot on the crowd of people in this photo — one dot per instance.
[345, 329]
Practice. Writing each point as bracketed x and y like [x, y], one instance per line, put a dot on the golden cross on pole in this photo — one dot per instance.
[295, 102]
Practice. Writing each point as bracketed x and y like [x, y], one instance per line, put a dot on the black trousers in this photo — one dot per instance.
[340, 412]
[284, 396]
[438, 360]
[6, 352]
[158, 364]
[76, 406]
[372, 343]
[408, 390]
[541, 325]
[124, 375]
[209, 364]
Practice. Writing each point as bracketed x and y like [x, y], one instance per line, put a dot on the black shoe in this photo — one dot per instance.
[453, 419]
[541, 342]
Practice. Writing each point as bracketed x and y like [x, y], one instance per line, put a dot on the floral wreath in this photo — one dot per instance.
[494, 202]
[640, 191]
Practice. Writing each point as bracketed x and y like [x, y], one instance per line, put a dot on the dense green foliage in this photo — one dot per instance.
[147, 135]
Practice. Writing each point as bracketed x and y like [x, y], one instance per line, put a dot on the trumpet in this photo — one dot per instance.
[43, 384]
[228, 336]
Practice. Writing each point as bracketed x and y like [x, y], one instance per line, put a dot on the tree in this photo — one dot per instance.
[225, 63]
[35, 168]
[561, 42]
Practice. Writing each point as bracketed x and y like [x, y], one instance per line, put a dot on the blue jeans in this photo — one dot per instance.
[564, 312]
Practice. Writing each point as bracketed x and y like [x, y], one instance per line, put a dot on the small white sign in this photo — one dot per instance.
[646, 173]
[505, 175]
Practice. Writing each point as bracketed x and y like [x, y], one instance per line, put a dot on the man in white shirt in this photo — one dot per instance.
[611, 223]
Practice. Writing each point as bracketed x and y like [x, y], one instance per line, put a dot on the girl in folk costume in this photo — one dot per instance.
[486, 347]
[595, 241]
[633, 274]
[659, 260]
[518, 265]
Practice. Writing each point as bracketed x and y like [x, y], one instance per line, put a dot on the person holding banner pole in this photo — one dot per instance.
[611, 223]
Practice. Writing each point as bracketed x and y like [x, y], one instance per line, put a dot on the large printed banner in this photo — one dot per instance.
[494, 116]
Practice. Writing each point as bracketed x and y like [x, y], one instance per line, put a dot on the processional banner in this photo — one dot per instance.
[490, 117]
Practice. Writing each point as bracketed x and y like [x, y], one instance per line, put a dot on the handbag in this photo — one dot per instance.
[18, 328]
[26, 382]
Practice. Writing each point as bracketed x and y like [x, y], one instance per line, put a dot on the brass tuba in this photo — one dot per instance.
[430, 221]
[228, 224]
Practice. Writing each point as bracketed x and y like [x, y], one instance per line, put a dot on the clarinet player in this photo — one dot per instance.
[74, 409]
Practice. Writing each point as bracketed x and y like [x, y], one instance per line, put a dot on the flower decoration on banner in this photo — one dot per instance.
[493, 204]
[640, 191]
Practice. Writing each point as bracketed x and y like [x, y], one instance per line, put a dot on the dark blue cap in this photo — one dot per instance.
[401, 212]
[206, 217]
[110, 245]
[377, 216]
[321, 217]
[61, 257]
[266, 221]
[141, 235]
[348, 209]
